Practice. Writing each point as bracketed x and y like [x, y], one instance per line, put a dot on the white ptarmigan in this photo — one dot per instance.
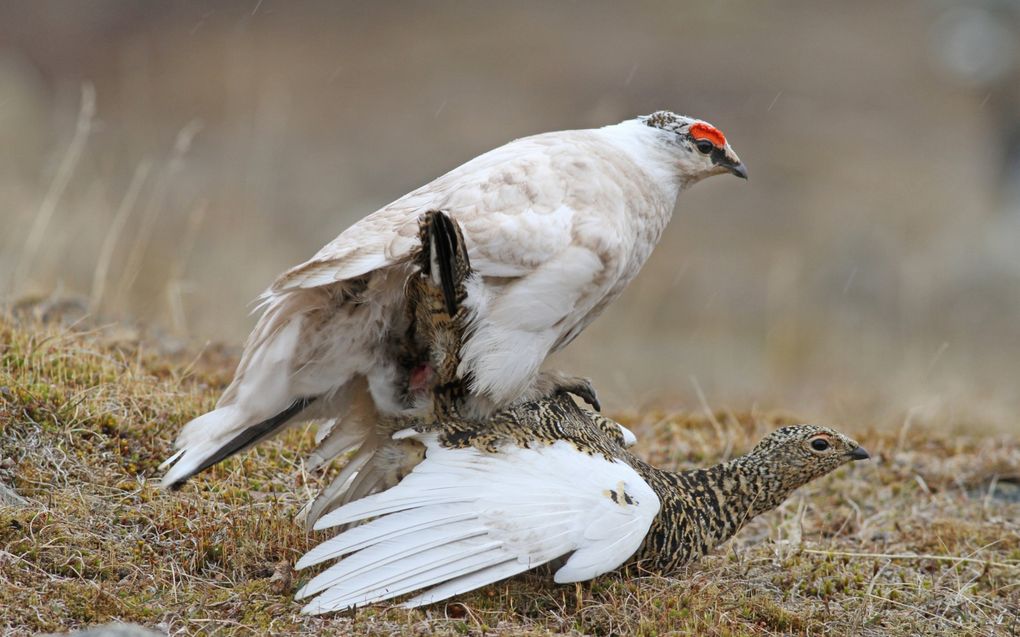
[556, 226]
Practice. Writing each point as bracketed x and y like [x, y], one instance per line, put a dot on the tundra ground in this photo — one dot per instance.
[923, 539]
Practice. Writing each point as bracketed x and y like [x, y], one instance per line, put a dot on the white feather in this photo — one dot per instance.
[464, 518]
[467, 583]
[507, 345]
[629, 439]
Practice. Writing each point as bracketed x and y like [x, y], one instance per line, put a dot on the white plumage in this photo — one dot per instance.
[464, 518]
[556, 225]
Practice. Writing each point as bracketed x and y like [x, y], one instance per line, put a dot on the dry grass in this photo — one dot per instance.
[923, 540]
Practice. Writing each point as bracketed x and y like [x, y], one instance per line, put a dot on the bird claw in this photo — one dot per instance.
[557, 384]
[583, 389]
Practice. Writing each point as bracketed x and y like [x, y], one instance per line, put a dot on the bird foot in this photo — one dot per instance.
[556, 383]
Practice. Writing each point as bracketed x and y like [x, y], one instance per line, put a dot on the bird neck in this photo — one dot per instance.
[651, 151]
[703, 508]
[745, 488]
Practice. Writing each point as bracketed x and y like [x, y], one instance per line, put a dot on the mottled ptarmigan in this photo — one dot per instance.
[481, 501]
[556, 226]
[543, 481]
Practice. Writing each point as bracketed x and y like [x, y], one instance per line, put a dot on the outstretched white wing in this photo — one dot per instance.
[465, 518]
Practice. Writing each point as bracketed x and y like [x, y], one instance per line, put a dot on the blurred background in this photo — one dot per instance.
[163, 162]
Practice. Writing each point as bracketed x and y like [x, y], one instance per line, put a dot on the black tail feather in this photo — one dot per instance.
[249, 437]
[447, 243]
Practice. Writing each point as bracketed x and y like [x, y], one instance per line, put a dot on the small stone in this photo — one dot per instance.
[10, 498]
[283, 576]
[112, 630]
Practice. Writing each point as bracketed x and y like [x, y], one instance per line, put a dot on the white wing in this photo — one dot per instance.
[505, 201]
[465, 518]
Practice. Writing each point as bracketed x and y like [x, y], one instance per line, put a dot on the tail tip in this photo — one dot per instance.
[177, 473]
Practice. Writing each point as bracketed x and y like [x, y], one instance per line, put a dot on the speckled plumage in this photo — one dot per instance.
[681, 516]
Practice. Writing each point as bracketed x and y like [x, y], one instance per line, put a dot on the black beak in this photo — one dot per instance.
[728, 161]
[860, 453]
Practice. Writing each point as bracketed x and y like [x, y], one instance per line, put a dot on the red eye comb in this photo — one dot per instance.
[701, 130]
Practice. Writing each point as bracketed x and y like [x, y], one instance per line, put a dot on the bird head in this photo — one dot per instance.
[700, 149]
[800, 453]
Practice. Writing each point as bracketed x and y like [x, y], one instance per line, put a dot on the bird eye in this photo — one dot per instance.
[704, 146]
[819, 444]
